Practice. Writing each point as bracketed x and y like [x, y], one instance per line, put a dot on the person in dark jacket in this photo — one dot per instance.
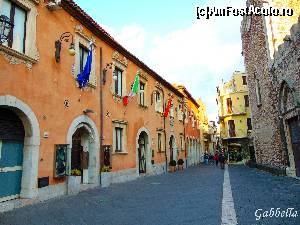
[222, 160]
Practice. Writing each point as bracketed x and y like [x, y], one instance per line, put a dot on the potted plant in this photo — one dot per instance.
[105, 176]
[180, 163]
[74, 181]
[172, 165]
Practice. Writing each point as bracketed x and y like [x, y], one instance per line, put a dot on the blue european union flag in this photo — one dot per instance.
[84, 75]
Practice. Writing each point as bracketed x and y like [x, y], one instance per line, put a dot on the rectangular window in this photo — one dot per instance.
[158, 102]
[18, 16]
[246, 98]
[229, 105]
[249, 124]
[142, 94]
[118, 82]
[181, 143]
[231, 128]
[119, 134]
[258, 94]
[244, 80]
[159, 142]
[83, 54]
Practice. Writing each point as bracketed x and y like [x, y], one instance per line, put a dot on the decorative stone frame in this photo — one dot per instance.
[122, 65]
[31, 144]
[94, 146]
[82, 38]
[31, 55]
[121, 124]
[149, 167]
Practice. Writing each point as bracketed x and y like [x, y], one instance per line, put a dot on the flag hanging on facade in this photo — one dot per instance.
[166, 112]
[84, 76]
[133, 91]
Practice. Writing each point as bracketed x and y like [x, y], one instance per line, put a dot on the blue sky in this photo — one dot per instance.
[167, 37]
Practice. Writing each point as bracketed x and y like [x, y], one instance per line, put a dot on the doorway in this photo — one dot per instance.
[294, 129]
[12, 135]
[142, 146]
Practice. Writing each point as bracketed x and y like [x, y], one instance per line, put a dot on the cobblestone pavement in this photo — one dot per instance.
[190, 197]
[253, 189]
[193, 196]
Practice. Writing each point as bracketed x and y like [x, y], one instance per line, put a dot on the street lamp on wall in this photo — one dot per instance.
[108, 66]
[5, 28]
[64, 37]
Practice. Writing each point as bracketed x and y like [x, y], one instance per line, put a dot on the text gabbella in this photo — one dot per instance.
[278, 212]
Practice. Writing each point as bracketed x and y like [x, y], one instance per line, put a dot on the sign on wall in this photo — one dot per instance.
[60, 160]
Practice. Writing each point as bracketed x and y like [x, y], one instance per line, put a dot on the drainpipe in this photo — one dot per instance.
[166, 157]
[101, 107]
[185, 145]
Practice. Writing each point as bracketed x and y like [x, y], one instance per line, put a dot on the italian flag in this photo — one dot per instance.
[133, 91]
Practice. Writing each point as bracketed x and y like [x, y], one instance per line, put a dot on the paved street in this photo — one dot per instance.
[190, 197]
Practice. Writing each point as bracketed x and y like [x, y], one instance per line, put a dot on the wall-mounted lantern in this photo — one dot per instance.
[108, 66]
[64, 37]
[5, 28]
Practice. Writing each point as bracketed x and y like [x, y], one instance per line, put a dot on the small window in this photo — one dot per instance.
[119, 134]
[118, 81]
[181, 143]
[246, 98]
[142, 94]
[18, 17]
[249, 124]
[83, 54]
[258, 94]
[159, 148]
[244, 80]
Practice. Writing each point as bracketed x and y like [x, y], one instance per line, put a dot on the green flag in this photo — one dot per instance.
[135, 86]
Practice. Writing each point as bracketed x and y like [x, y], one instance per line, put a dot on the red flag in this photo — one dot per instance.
[125, 100]
[166, 113]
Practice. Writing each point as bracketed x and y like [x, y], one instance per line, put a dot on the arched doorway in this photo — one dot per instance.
[290, 126]
[12, 135]
[83, 149]
[142, 152]
[172, 147]
[19, 149]
[80, 152]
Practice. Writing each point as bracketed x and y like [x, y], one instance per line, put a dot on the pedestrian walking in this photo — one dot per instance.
[206, 158]
[222, 160]
[216, 158]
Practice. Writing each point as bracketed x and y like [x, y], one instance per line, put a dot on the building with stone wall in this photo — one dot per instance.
[261, 36]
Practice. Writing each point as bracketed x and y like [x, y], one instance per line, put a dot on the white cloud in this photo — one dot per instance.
[198, 56]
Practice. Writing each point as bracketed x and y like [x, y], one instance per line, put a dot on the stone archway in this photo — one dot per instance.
[144, 134]
[289, 127]
[31, 144]
[90, 142]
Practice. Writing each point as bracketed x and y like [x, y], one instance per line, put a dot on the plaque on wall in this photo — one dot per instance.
[60, 160]
[106, 150]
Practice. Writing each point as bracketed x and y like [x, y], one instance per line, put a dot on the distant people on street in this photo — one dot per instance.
[211, 158]
[216, 158]
[222, 160]
[206, 156]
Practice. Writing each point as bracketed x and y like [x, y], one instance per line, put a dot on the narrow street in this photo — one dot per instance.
[193, 196]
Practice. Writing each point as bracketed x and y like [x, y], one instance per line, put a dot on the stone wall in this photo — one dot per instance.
[285, 74]
[265, 78]
[267, 141]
